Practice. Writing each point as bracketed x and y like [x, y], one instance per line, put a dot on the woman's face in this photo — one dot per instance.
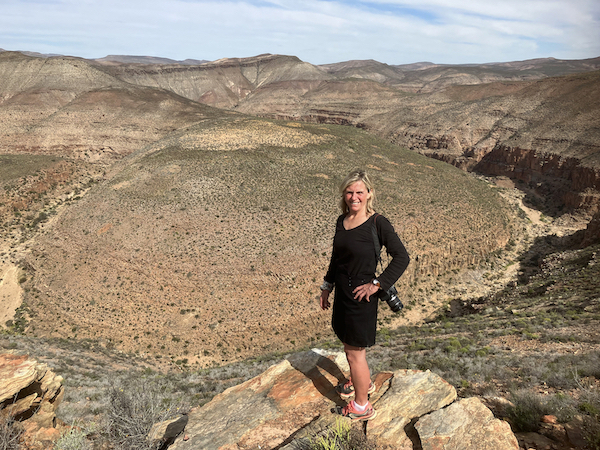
[356, 197]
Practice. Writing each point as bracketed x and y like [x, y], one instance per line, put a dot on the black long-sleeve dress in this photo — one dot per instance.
[353, 263]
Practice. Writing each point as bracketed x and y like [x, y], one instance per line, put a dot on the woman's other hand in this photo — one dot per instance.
[325, 299]
[364, 292]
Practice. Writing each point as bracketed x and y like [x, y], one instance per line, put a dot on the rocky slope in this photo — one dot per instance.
[156, 245]
[208, 246]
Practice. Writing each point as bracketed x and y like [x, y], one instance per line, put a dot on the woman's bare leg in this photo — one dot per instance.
[359, 372]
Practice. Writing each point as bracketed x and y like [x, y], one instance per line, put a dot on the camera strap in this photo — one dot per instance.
[376, 241]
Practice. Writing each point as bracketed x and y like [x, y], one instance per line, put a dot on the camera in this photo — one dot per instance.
[391, 297]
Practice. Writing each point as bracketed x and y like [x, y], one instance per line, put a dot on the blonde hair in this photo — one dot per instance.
[353, 177]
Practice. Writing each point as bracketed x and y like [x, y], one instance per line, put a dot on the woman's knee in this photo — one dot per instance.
[355, 354]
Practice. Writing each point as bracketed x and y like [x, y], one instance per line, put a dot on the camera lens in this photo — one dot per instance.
[395, 303]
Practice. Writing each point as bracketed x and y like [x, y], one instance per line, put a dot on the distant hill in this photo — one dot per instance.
[67, 107]
[120, 59]
[222, 83]
[429, 77]
[497, 118]
[123, 59]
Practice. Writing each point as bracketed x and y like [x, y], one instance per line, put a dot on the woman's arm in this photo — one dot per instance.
[395, 249]
[329, 279]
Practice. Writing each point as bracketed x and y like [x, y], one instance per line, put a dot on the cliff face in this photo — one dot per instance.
[562, 180]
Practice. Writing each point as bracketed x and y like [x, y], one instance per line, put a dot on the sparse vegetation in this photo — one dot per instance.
[132, 410]
[10, 433]
[341, 436]
[143, 251]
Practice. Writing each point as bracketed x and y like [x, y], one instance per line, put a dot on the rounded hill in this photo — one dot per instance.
[209, 245]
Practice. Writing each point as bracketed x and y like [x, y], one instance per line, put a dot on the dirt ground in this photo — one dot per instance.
[10, 292]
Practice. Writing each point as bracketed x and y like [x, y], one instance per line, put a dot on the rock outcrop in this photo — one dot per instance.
[292, 401]
[466, 424]
[591, 234]
[30, 393]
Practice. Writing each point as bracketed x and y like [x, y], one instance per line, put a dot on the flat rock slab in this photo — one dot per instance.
[266, 410]
[466, 425]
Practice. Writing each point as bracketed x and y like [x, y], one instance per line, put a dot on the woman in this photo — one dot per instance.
[352, 272]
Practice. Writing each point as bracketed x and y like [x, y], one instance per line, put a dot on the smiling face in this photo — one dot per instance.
[356, 196]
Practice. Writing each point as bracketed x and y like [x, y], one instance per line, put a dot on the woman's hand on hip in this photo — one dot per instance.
[364, 292]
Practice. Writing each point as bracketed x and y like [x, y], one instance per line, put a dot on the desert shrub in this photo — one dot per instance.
[134, 408]
[592, 433]
[527, 412]
[341, 436]
[589, 404]
[74, 439]
[563, 406]
[565, 371]
[10, 434]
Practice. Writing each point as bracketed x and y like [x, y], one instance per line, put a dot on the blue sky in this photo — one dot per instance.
[316, 31]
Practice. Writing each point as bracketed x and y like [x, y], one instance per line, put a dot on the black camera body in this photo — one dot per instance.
[391, 298]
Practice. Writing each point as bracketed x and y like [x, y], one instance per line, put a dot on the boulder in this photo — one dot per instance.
[266, 410]
[164, 433]
[575, 431]
[30, 393]
[466, 424]
[412, 394]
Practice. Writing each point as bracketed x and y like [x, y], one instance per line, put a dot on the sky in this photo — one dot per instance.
[316, 31]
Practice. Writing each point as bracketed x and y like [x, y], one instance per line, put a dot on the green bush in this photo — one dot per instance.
[527, 412]
[342, 436]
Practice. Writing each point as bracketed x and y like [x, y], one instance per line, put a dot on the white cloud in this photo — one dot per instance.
[317, 31]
